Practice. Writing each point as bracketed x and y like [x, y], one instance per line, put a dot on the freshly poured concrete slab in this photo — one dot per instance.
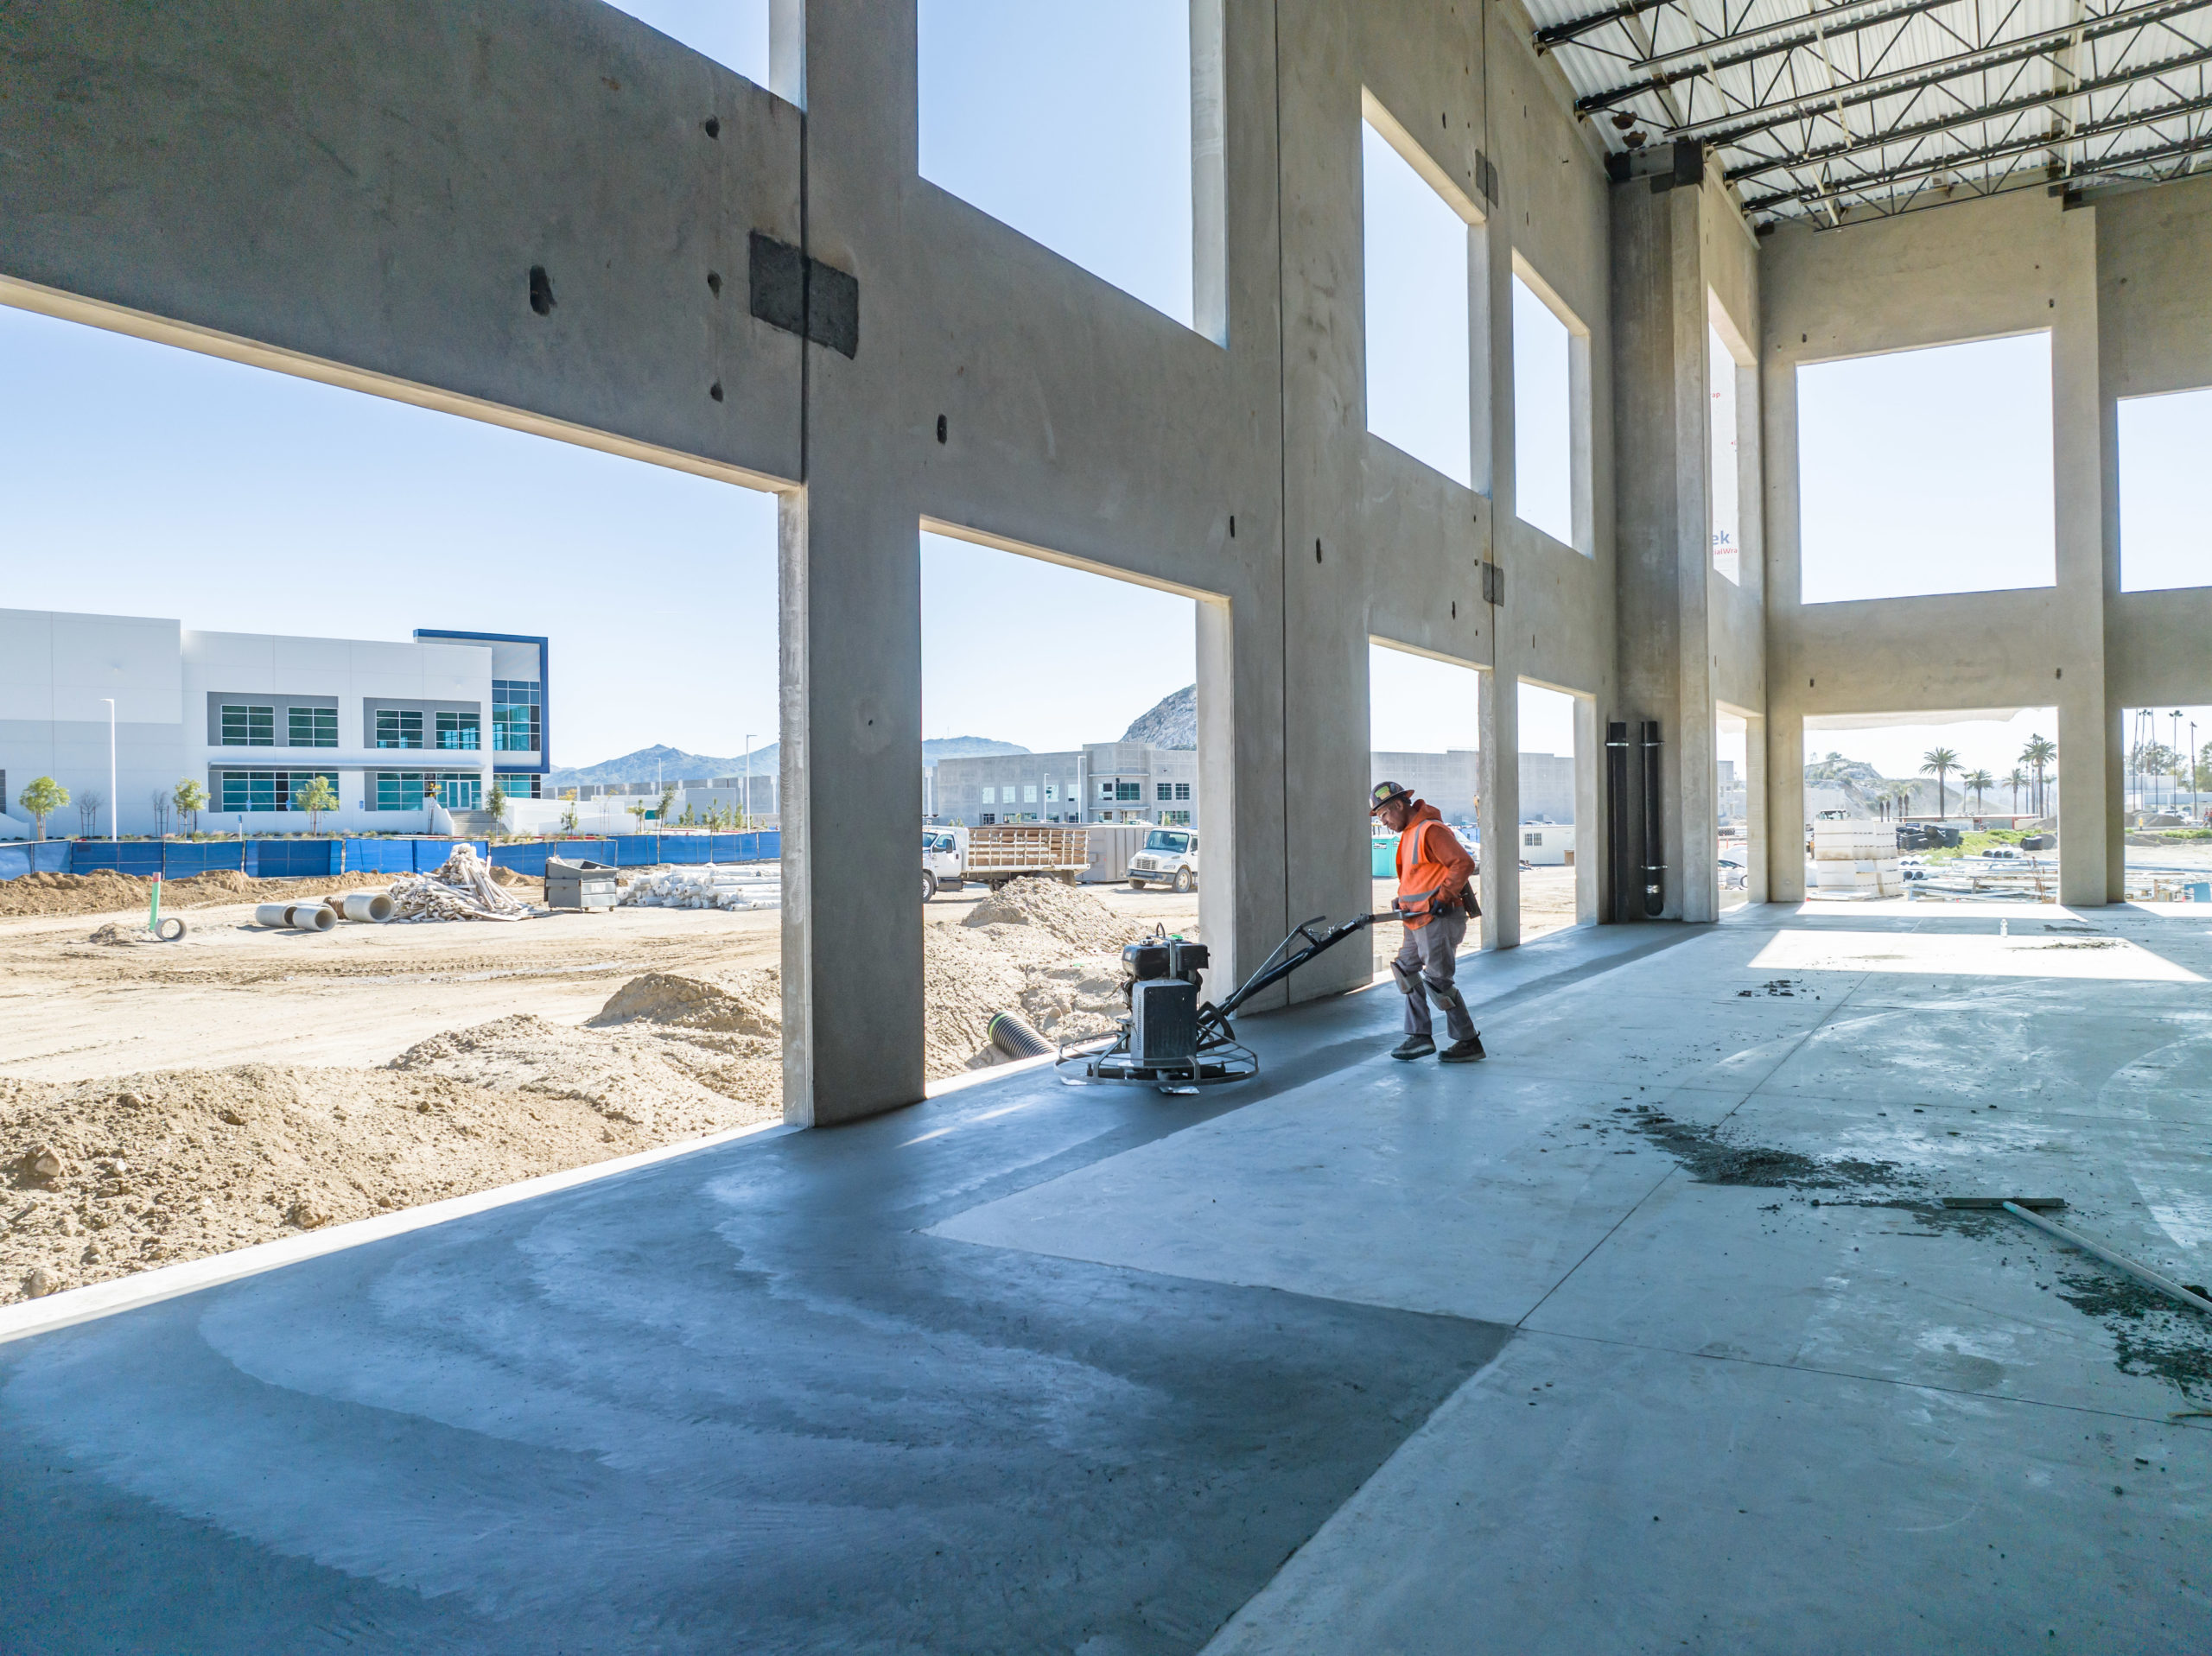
[1467, 1190]
[1581, 1496]
[2099, 959]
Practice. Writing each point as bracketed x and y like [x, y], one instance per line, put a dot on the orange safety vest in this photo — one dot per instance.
[1421, 869]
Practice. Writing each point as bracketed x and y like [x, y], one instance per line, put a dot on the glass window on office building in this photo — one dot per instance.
[247, 726]
[1131, 791]
[399, 790]
[1028, 793]
[313, 726]
[459, 730]
[991, 796]
[398, 729]
[516, 715]
[1182, 791]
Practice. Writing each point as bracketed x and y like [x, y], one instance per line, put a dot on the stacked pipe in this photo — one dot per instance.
[298, 916]
[1856, 858]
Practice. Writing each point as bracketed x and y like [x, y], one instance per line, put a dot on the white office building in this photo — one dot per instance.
[253, 717]
[1101, 782]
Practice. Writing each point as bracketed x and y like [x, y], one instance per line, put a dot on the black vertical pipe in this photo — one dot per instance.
[1620, 860]
[1655, 867]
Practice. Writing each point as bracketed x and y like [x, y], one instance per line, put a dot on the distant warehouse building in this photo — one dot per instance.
[1451, 781]
[1101, 782]
[253, 717]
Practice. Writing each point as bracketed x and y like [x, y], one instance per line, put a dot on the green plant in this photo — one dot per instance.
[667, 802]
[2016, 781]
[639, 810]
[1980, 782]
[1939, 762]
[190, 799]
[495, 802]
[314, 797]
[41, 799]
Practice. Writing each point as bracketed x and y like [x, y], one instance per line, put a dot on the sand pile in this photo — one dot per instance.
[642, 1080]
[734, 1003]
[104, 1178]
[1072, 916]
[104, 892]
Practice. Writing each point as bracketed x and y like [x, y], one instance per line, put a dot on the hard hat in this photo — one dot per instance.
[1384, 793]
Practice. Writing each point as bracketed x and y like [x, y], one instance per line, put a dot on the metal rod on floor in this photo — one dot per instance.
[2142, 1274]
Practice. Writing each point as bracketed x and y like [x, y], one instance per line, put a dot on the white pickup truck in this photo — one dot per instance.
[1170, 857]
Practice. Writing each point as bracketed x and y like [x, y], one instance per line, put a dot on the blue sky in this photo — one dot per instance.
[233, 498]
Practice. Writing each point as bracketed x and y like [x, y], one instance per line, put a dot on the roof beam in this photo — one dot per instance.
[1748, 46]
[1739, 125]
[1975, 116]
[1559, 34]
[1890, 177]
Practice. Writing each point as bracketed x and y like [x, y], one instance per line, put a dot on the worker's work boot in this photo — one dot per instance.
[1414, 1046]
[1464, 1051]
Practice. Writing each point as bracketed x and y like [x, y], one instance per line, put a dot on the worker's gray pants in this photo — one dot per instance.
[1429, 958]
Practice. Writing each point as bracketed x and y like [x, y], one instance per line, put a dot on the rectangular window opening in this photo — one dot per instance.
[1927, 471]
[1547, 489]
[1414, 275]
[249, 727]
[1723, 480]
[1075, 126]
[2165, 531]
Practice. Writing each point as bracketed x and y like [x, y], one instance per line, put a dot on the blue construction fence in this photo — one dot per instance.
[321, 859]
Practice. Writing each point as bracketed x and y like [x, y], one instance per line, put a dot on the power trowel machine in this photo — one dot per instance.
[1172, 1039]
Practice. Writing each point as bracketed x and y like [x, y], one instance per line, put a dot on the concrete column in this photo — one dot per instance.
[1660, 413]
[1500, 810]
[851, 611]
[1589, 812]
[1759, 833]
[1784, 852]
[2088, 576]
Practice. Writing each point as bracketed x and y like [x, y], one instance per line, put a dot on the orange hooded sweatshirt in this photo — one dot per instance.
[1430, 858]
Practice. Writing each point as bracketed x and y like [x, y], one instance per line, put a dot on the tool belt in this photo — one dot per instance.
[1429, 905]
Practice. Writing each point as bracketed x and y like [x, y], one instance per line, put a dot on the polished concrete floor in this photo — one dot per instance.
[1646, 1335]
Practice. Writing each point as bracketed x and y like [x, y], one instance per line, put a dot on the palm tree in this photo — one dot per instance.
[1980, 782]
[1939, 762]
[2037, 754]
[2016, 781]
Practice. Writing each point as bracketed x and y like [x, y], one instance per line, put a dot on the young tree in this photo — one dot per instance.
[1939, 762]
[191, 799]
[667, 802]
[496, 803]
[88, 809]
[160, 801]
[314, 797]
[569, 816]
[41, 799]
[1980, 782]
[639, 809]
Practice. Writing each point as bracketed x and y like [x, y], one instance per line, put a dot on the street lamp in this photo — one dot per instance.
[745, 811]
[2177, 716]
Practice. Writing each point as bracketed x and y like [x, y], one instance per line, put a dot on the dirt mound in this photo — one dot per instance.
[626, 1080]
[1074, 916]
[739, 1002]
[105, 892]
[104, 1178]
[124, 936]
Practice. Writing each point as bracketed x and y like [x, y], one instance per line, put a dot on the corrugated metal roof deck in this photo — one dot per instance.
[1873, 107]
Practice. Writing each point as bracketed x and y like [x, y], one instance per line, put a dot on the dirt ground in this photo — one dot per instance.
[165, 1101]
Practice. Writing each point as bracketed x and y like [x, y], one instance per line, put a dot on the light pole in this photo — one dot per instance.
[745, 811]
[110, 767]
[2177, 716]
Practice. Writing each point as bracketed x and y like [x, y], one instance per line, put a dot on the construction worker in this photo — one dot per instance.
[1433, 901]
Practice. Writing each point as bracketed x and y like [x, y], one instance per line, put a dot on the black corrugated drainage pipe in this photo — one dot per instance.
[1016, 1039]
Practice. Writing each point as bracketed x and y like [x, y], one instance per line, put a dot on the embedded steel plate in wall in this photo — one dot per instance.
[805, 296]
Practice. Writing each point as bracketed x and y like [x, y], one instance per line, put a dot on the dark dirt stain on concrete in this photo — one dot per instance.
[2150, 1334]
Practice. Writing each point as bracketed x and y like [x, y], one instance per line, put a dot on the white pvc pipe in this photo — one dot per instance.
[373, 908]
[299, 916]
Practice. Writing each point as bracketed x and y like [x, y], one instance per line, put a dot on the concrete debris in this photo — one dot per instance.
[462, 888]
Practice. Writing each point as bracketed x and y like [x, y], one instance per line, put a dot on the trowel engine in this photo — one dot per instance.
[1172, 1039]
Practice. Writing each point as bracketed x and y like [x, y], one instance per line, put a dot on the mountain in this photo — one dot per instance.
[1172, 722]
[964, 747]
[674, 764]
